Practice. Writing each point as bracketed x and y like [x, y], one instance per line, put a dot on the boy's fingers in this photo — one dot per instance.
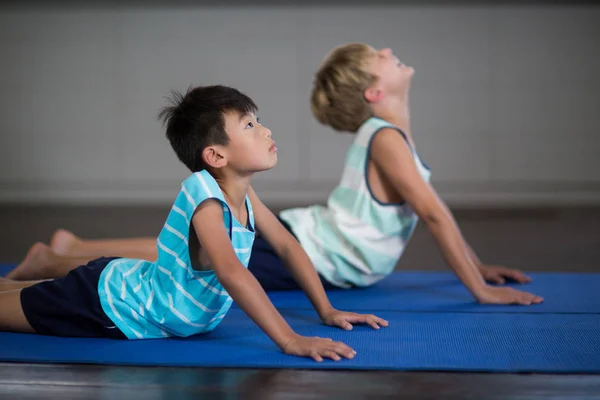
[516, 275]
[513, 274]
[343, 323]
[531, 296]
[527, 299]
[372, 323]
[349, 354]
[534, 299]
[370, 319]
[365, 319]
[315, 354]
[521, 277]
[378, 321]
[518, 300]
[331, 354]
[343, 350]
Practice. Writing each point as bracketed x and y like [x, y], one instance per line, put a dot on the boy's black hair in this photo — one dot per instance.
[195, 120]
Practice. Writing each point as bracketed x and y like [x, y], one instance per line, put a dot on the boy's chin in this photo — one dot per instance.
[267, 166]
[408, 73]
[273, 164]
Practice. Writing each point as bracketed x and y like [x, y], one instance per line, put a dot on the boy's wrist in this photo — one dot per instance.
[475, 282]
[286, 340]
[479, 290]
[325, 311]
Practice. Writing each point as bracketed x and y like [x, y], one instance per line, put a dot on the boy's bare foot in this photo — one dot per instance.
[63, 242]
[32, 267]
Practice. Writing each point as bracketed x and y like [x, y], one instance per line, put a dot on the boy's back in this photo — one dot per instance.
[356, 240]
[357, 83]
[167, 297]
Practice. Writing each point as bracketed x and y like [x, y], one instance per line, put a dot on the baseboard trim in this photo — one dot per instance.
[456, 194]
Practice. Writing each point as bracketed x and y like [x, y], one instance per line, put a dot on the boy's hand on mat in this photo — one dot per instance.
[498, 274]
[345, 320]
[317, 348]
[506, 295]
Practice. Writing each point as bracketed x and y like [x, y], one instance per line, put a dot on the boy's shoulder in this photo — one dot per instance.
[195, 177]
[370, 128]
[200, 186]
[376, 124]
[203, 179]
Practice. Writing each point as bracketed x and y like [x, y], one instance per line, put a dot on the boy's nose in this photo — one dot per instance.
[268, 132]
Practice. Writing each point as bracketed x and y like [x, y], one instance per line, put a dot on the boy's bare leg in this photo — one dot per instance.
[7, 285]
[42, 263]
[12, 318]
[66, 243]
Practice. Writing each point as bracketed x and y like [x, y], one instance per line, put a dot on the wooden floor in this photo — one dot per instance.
[534, 240]
[26, 381]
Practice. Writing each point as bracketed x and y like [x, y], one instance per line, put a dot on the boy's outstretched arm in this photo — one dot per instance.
[392, 155]
[247, 292]
[302, 270]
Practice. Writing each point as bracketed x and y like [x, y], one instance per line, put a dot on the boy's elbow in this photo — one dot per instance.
[231, 274]
[285, 246]
[428, 208]
[286, 250]
[431, 217]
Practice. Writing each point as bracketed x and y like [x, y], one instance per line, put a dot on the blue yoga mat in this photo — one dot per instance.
[435, 325]
[4, 268]
[436, 342]
[443, 292]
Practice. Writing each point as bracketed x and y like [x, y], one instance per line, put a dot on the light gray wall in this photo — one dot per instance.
[504, 100]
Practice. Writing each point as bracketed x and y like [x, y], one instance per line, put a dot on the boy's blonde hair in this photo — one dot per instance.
[337, 97]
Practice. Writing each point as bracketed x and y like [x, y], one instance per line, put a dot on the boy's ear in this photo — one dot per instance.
[214, 156]
[373, 95]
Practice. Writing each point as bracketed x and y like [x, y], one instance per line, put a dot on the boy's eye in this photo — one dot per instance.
[250, 125]
[258, 120]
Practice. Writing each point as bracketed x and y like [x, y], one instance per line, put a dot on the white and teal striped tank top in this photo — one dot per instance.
[167, 297]
[356, 240]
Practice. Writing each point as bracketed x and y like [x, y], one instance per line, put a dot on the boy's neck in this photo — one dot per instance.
[394, 110]
[234, 188]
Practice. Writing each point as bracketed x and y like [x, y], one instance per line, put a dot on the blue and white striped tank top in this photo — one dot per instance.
[167, 297]
[356, 240]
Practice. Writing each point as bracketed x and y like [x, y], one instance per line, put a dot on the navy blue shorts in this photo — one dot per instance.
[270, 271]
[70, 306]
